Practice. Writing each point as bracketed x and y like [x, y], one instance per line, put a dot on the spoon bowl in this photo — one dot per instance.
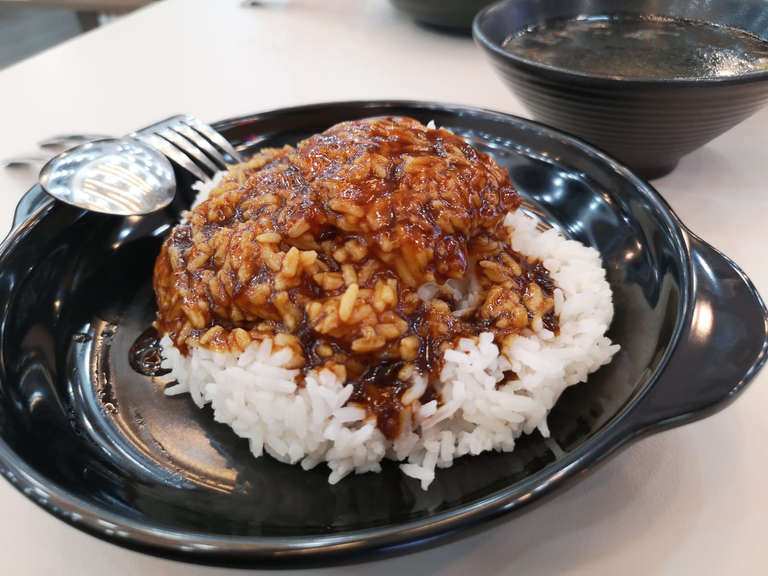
[113, 176]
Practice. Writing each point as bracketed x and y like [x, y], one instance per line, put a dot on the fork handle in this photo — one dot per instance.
[69, 138]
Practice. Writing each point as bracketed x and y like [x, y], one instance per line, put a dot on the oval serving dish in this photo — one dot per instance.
[100, 446]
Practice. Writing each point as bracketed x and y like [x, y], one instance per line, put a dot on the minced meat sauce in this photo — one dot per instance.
[323, 247]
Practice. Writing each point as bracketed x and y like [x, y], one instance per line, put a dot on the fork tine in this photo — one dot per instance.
[186, 146]
[213, 136]
[201, 143]
[191, 144]
[173, 153]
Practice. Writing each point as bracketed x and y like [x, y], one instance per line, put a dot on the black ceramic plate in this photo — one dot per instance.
[101, 447]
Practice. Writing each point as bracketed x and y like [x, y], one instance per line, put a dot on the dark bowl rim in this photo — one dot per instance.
[635, 81]
[226, 550]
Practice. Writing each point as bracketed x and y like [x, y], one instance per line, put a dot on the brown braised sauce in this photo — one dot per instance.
[145, 354]
[323, 247]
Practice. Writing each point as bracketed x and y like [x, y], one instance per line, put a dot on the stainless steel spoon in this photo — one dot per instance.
[112, 176]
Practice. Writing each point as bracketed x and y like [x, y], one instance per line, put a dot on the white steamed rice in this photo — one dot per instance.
[259, 399]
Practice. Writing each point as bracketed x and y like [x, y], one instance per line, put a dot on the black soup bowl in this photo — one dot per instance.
[449, 14]
[647, 123]
[99, 445]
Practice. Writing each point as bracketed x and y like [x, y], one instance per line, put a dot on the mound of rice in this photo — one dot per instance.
[260, 400]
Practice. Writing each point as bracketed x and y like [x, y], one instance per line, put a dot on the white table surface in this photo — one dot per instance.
[689, 501]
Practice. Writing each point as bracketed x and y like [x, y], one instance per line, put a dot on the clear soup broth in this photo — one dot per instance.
[642, 47]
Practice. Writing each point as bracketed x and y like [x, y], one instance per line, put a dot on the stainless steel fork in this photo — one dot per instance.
[133, 175]
[191, 144]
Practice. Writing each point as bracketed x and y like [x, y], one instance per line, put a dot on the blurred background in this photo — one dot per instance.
[31, 26]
